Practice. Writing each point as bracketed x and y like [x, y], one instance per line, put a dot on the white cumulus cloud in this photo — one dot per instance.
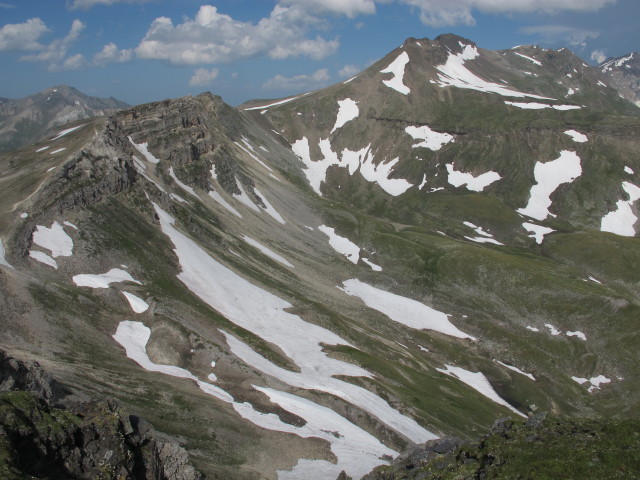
[318, 79]
[214, 37]
[54, 54]
[553, 33]
[22, 36]
[448, 12]
[598, 56]
[348, 71]
[202, 77]
[87, 4]
[110, 53]
[350, 8]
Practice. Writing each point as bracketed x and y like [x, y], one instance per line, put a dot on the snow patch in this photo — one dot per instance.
[374, 267]
[540, 106]
[269, 208]
[533, 60]
[594, 381]
[57, 150]
[430, 139]
[54, 239]
[115, 275]
[244, 198]
[252, 153]
[397, 69]
[68, 130]
[177, 198]
[517, 370]
[137, 304]
[576, 136]
[478, 382]
[628, 170]
[218, 198]
[267, 251]
[476, 184]
[281, 102]
[3, 260]
[43, 258]
[578, 334]
[553, 330]
[533, 329]
[342, 245]
[621, 220]
[549, 176]
[183, 186]
[42, 149]
[347, 111]
[406, 311]
[537, 231]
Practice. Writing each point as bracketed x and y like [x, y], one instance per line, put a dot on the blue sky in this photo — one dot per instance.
[146, 50]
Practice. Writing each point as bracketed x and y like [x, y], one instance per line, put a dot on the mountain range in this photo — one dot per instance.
[306, 286]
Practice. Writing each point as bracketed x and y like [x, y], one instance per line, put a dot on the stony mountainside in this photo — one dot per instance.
[623, 74]
[26, 120]
[306, 286]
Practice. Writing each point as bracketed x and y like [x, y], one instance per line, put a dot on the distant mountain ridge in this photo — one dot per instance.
[624, 75]
[27, 120]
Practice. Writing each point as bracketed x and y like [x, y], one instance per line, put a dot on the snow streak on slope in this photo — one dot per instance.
[476, 184]
[403, 310]
[478, 382]
[430, 139]
[622, 219]
[183, 186]
[269, 208]
[397, 68]
[540, 106]
[316, 171]
[357, 451]
[218, 198]
[453, 73]
[244, 198]
[265, 315]
[137, 304]
[3, 261]
[281, 102]
[533, 60]
[43, 258]
[142, 148]
[549, 176]
[347, 111]
[517, 370]
[342, 245]
[267, 251]
[64, 132]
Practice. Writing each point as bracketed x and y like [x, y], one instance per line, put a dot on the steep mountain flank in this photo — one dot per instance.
[309, 285]
[623, 74]
[27, 120]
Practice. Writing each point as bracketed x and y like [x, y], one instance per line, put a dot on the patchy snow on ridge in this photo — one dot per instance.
[476, 184]
[628, 170]
[397, 68]
[453, 73]
[517, 370]
[66, 131]
[142, 148]
[3, 260]
[402, 310]
[621, 220]
[274, 104]
[218, 198]
[347, 111]
[553, 330]
[342, 245]
[576, 136]
[115, 275]
[533, 60]
[594, 381]
[430, 139]
[537, 231]
[316, 171]
[267, 251]
[478, 382]
[266, 316]
[549, 176]
[54, 239]
[137, 304]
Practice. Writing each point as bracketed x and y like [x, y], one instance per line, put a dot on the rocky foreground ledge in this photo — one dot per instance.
[41, 437]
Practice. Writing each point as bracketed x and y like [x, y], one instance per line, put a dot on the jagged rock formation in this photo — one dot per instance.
[27, 120]
[89, 441]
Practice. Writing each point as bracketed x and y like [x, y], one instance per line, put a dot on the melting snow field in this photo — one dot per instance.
[54, 239]
[103, 280]
[476, 184]
[397, 69]
[540, 106]
[621, 220]
[478, 382]
[430, 139]
[265, 315]
[357, 451]
[218, 198]
[549, 176]
[347, 111]
[594, 381]
[244, 198]
[137, 304]
[537, 231]
[453, 73]
[362, 160]
[485, 237]
[403, 310]
[269, 208]
[342, 245]
[43, 258]
[267, 251]
[576, 136]
[142, 148]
